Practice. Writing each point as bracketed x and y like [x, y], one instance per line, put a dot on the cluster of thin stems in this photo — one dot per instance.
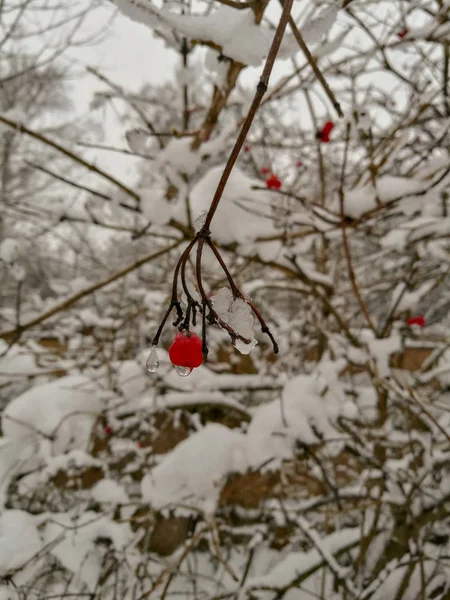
[205, 306]
[209, 314]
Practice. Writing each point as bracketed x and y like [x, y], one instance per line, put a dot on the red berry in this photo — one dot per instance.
[401, 34]
[139, 444]
[186, 350]
[299, 163]
[273, 183]
[324, 134]
[246, 148]
[419, 320]
[265, 170]
[108, 430]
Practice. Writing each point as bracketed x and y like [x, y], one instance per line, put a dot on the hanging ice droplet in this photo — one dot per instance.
[183, 371]
[152, 363]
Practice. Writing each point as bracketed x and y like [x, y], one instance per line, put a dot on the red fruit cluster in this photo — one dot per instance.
[419, 320]
[324, 134]
[273, 183]
[186, 350]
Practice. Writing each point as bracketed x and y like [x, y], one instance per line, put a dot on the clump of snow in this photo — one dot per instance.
[191, 474]
[315, 28]
[137, 140]
[382, 349]
[46, 421]
[364, 199]
[295, 563]
[405, 300]
[234, 31]
[19, 540]
[301, 414]
[155, 207]
[18, 271]
[238, 314]
[218, 68]
[9, 250]
[178, 154]
[72, 541]
[108, 491]
[243, 215]
[200, 221]
[60, 413]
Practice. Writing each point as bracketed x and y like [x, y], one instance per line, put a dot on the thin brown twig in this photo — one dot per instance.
[41, 138]
[317, 72]
[345, 243]
[87, 291]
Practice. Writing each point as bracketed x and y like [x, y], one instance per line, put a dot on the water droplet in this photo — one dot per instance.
[152, 363]
[183, 371]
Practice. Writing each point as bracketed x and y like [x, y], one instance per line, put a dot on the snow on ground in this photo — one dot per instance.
[72, 541]
[297, 563]
[192, 473]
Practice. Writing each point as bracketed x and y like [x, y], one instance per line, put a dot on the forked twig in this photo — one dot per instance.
[204, 234]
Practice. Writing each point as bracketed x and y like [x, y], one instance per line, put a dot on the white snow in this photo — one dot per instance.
[232, 30]
[301, 414]
[108, 491]
[191, 474]
[155, 207]
[363, 199]
[19, 540]
[297, 563]
[44, 422]
[9, 250]
[243, 215]
[137, 140]
[72, 541]
[381, 350]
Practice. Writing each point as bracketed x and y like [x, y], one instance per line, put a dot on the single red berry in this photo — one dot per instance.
[108, 430]
[186, 350]
[139, 444]
[299, 163]
[246, 148]
[207, 137]
[273, 183]
[419, 320]
[324, 134]
[265, 170]
[401, 34]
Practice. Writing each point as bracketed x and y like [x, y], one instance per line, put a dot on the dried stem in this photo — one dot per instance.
[205, 235]
[312, 62]
[345, 243]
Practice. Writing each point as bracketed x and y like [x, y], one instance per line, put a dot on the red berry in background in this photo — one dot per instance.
[186, 350]
[401, 34]
[418, 320]
[324, 134]
[265, 170]
[108, 430]
[299, 163]
[246, 148]
[273, 183]
[139, 444]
